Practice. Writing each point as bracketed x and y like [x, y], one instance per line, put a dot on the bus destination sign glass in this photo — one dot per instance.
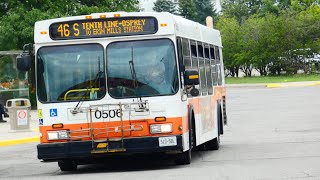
[95, 28]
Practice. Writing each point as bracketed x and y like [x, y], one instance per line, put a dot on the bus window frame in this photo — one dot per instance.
[175, 60]
[218, 65]
[87, 43]
[201, 64]
[208, 74]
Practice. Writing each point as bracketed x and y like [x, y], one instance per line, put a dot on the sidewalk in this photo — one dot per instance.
[9, 137]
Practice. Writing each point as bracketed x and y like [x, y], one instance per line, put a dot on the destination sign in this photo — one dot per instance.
[97, 28]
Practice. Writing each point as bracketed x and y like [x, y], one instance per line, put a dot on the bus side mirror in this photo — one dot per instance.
[191, 77]
[24, 62]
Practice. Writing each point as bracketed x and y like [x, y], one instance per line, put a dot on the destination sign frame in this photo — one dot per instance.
[103, 27]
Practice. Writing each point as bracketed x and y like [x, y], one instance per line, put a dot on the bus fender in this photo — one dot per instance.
[219, 118]
[191, 125]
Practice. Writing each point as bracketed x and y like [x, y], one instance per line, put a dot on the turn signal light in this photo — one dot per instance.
[193, 77]
[60, 125]
[160, 119]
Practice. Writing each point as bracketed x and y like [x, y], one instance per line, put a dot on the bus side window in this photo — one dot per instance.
[180, 59]
[185, 47]
[202, 72]
[186, 53]
[219, 78]
[179, 50]
[194, 60]
[193, 49]
[208, 70]
[213, 66]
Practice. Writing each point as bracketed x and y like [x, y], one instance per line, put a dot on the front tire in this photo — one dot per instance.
[67, 165]
[185, 157]
[213, 144]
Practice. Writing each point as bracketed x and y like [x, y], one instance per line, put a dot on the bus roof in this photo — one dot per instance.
[167, 24]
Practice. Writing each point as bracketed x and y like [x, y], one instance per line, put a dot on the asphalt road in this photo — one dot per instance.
[272, 134]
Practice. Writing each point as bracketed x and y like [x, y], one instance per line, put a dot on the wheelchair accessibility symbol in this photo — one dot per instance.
[53, 112]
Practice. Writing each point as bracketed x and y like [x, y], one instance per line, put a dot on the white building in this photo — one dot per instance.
[147, 5]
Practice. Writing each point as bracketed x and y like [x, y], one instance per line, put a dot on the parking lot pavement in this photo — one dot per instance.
[12, 137]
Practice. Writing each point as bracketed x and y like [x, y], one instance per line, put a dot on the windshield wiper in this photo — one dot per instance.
[88, 88]
[135, 80]
[133, 73]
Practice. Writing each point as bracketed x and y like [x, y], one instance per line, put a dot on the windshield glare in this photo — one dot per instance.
[70, 73]
[141, 68]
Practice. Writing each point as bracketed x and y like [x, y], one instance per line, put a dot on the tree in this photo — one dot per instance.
[231, 40]
[17, 17]
[164, 6]
[204, 8]
[187, 9]
[235, 9]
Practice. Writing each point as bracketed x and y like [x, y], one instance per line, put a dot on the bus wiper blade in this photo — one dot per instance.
[133, 73]
[88, 88]
[135, 80]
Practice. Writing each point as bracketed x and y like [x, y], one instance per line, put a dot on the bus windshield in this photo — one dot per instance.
[70, 73]
[141, 68]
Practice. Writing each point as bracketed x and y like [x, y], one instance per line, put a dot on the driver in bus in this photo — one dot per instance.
[156, 78]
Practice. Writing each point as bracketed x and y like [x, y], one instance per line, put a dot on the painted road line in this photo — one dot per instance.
[292, 85]
[274, 85]
[19, 141]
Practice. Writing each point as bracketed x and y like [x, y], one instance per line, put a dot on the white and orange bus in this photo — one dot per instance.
[126, 83]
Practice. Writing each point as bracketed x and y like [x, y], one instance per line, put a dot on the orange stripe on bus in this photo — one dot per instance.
[145, 123]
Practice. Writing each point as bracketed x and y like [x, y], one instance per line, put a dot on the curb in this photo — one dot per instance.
[275, 85]
[19, 141]
[279, 85]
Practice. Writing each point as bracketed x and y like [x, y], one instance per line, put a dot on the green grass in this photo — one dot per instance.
[273, 79]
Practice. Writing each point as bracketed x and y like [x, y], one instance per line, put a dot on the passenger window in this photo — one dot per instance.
[185, 47]
[193, 50]
[208, 76]
[202, 72]
[206, 52]
[212, 53]
[200, 50]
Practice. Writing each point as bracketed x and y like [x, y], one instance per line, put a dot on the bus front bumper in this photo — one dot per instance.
[88, 149]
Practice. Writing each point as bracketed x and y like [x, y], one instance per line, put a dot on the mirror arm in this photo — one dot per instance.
[28, 49]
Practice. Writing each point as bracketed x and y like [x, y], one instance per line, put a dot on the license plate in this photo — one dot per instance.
[167, 141]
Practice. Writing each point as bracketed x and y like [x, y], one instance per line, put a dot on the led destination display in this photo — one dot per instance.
[95, 28]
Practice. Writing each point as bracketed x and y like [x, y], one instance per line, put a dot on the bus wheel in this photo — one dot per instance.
[184, 158]
[67, 165]
[213, 144]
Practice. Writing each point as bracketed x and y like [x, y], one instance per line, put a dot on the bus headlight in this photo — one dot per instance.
[55, 135]
[160, 128]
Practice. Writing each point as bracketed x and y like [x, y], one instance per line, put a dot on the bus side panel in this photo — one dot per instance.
[206, 115]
